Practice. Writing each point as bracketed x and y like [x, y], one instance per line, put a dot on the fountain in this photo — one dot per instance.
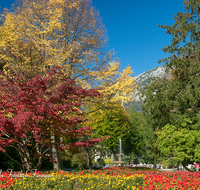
[120, 154]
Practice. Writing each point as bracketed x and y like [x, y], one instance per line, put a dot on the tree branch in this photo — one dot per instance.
[13, 159]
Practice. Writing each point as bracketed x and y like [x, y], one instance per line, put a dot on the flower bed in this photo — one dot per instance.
[98, 179]
[180, 180]
[106, 179]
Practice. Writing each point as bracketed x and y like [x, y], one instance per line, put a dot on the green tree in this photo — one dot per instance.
[183, 63]
[144, 133]
[114, 122]
[173, 98]
[185, 38]
[182, 141]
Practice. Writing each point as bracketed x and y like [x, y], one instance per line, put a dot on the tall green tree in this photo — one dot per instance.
[183, 62]
[176, 97]
[144, 133]
[171, 99]
[185, 38]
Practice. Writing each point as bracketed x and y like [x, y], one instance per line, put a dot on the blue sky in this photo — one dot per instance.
[132, 28]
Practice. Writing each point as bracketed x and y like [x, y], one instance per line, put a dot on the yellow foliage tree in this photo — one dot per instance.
[68, 33]
[115, 86]
[40, 34]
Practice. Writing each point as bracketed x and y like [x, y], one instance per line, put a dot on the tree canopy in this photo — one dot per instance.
[168, 101]
[38, 35]
[176, 97]
[68, 33]
[34, 110]
[181, 141]
[115, 124]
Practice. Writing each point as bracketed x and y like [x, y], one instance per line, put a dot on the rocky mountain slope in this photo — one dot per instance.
[155, 72]
[141, 80]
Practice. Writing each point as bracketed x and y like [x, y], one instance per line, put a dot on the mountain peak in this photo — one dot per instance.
[159, 71]
[142, 80]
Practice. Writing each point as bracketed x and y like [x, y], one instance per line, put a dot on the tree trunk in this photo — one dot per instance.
[59, 154]
[27, 164]
[39, 164]
[54, 153]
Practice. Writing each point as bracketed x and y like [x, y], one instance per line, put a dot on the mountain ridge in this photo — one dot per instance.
[142, 80]
[159, 71]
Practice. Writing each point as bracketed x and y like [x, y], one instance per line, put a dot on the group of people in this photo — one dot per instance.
[159, 166]
[194, 167]
[180, 167]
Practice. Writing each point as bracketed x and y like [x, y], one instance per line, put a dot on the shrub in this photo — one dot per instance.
[79, 160]
[172, 161]
[100, 161]
[165, 163]
[108, 161]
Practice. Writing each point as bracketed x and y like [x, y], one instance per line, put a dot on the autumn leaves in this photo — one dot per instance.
[37, 36]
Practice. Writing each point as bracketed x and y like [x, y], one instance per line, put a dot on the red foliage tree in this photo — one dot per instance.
[35, 110]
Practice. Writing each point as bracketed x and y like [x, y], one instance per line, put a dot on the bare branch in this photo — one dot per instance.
[13, 159]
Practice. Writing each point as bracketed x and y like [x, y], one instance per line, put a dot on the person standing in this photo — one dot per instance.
[181, 167]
